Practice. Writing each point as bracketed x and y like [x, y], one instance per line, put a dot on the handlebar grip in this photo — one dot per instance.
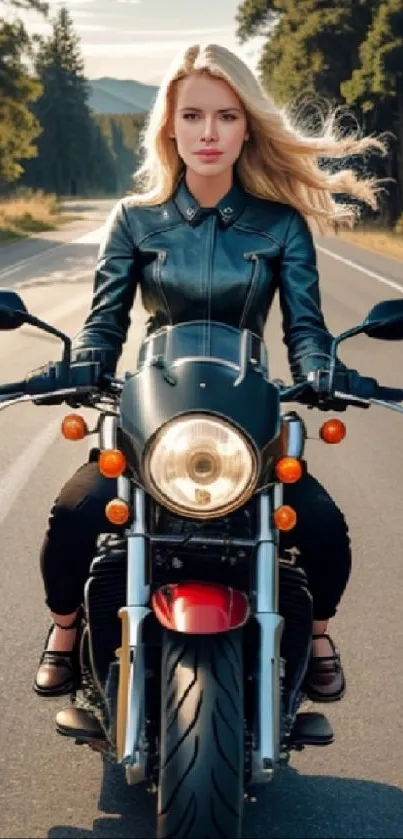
[389, 394]
[13, 388]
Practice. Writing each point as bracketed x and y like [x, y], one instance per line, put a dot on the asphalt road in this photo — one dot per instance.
[354, 788]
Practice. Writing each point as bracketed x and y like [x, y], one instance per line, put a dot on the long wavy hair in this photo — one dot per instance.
[280, 162]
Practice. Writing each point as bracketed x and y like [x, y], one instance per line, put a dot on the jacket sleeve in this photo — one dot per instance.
[305, 333]
[106, 327]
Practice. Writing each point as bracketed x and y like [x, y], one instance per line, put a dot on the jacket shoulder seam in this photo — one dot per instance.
[158, 230]
[250, 229]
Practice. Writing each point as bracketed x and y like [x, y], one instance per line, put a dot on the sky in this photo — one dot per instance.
[137, 39]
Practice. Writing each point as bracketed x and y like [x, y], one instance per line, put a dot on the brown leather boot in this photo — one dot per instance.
[325, 681]
[58, 672]
[78, 723]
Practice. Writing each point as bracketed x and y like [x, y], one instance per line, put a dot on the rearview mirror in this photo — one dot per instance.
[12, 310]
[13, 313]
[385, 321]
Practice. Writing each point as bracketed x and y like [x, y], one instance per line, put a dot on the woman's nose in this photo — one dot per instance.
[209, 130]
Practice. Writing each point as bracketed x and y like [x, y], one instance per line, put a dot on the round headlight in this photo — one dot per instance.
[200, 466]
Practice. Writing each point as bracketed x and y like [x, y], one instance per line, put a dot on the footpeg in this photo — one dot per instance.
[311, 729]
[77, 723]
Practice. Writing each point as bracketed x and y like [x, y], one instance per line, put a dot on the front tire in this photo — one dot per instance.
[201, 782]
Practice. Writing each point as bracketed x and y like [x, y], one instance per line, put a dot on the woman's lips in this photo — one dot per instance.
[209, 154]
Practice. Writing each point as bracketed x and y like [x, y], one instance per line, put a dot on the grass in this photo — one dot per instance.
[385, 242]
[32, 212]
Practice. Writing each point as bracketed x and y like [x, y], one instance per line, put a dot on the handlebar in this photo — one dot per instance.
[302, 392]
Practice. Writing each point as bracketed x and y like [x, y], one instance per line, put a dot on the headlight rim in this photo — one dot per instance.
[184, 512]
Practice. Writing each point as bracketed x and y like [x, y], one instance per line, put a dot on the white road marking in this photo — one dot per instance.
[351, 264]
[6, 272]
[19, 473]
[89, 238]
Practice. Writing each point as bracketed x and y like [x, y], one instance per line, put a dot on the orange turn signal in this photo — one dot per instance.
[289, 470]
[117, 511]
[111, 463]
[333, 431]
[285, 517]
[74, 427]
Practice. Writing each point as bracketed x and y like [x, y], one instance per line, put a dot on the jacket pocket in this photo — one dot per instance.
[262, 273]
[157, 268]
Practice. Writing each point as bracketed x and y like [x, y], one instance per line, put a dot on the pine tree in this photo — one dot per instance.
[65, 163]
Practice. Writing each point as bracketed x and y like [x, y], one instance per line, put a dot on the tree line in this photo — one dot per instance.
[49, 138]
[346, 53]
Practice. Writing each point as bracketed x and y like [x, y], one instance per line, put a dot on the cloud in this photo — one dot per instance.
[184, 33]
[163, 49]
[144, 48]
[89, 27]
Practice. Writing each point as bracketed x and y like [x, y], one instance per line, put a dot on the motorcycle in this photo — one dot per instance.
[195, 635]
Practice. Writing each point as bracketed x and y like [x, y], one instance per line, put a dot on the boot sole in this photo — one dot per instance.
[54, 693]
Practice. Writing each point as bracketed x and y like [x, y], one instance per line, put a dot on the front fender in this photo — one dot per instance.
[200, 608]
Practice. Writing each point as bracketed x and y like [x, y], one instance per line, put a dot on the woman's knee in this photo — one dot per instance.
[317, 512]
[80, 506]
[321, 533]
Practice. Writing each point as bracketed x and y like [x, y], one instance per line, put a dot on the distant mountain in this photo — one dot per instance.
[120, 96]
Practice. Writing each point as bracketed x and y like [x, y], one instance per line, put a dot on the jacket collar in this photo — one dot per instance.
[228, 209]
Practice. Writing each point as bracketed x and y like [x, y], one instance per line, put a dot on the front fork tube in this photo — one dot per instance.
[266, 751]
[131, 699]
[130, 707]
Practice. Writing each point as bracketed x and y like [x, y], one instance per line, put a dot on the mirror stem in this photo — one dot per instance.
[52, 331]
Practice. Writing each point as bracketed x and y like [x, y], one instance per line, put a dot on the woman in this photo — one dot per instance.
[230, 191]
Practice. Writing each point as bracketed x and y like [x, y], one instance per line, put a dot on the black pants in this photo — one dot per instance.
[78, 517]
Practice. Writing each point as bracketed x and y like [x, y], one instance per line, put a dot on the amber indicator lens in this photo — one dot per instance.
[333, 431]
[285, 517]
[289, 470]
[117, 511]
[74, 427]
[111, 463]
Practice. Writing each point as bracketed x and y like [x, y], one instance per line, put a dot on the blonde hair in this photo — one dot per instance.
[279, 162]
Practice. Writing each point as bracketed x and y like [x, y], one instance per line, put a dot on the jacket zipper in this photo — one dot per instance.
[253, 258]
[211, 229]
[162, 255]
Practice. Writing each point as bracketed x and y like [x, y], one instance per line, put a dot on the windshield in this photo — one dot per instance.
[203, 339]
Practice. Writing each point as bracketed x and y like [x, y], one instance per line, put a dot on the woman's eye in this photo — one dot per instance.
[193, 116]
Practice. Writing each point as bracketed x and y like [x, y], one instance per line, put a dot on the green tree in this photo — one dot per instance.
[122, 132]
[34, 5]
[62, 109]
[18, 126]
[376, 85]
[347, 52]
[311, 45]
[66, 163]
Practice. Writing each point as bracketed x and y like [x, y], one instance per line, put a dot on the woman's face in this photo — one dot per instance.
[209, 124]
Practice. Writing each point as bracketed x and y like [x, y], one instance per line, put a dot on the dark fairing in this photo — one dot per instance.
[201, 367]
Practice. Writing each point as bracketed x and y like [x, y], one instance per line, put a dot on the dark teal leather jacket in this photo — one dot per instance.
[223, 264]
